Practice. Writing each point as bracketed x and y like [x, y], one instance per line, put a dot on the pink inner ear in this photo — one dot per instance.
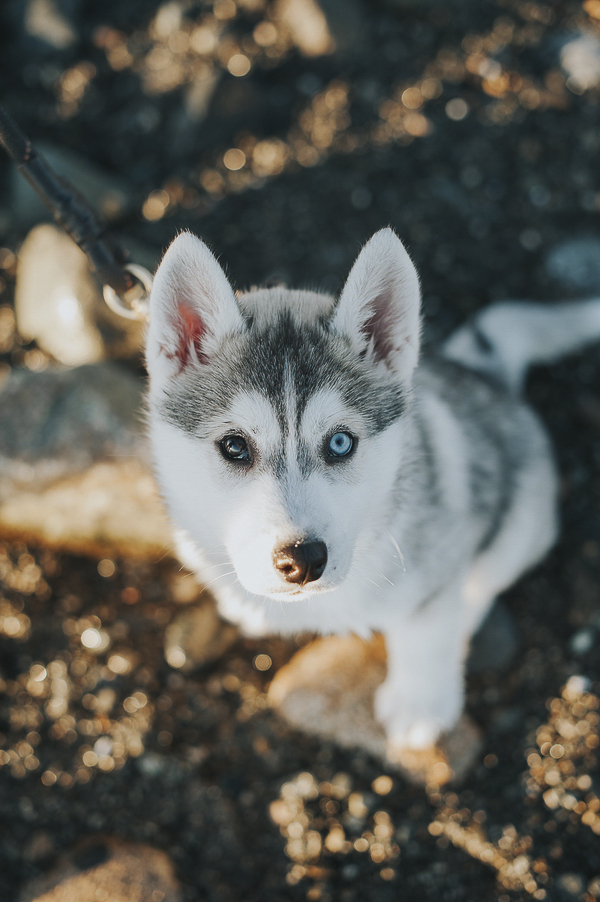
[380, 327]
[190, 330]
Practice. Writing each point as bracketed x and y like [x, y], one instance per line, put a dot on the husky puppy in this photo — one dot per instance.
[324, 478]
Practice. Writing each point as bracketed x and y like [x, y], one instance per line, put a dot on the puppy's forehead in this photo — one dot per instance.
[289, 364]
[253, 413]
[324, 410]
[266, 305]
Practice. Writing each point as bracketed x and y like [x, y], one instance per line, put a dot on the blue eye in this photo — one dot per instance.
[340, 444]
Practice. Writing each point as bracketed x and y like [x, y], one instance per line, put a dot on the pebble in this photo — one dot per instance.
[570, 886]
[197, 636]
[59, 303]
[576, 263]
[582, 641]
[108, 869]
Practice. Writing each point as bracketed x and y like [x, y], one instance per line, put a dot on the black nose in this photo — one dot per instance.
[302, 562]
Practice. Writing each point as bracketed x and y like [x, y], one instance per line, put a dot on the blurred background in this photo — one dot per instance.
[284, 133]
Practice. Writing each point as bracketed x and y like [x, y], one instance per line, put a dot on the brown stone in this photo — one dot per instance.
[107, 869]
[327, 689]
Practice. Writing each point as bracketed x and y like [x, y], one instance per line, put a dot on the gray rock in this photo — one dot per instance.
[73, 416]
[59, 304]
[74, 462]
[496, 642]
[106, 193]
[576, 263]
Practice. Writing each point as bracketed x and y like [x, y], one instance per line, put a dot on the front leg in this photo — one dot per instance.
[423, 693]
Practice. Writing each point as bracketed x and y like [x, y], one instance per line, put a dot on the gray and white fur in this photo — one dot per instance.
[322, 477]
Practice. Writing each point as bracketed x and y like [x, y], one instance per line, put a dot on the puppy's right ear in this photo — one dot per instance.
[378, 309]
[192, 308]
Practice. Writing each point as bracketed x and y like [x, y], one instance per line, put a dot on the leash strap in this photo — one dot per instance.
[126, 286]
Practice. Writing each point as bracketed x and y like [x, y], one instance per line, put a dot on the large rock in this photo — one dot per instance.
[74, 463]
[59, 303]
[108, 869]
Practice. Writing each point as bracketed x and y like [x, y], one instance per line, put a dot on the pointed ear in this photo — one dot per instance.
[379, 305]
[192, 307]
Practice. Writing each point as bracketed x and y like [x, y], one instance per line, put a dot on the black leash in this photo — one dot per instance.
[121, 280]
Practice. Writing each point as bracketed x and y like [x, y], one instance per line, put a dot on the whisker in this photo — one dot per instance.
[397, 547]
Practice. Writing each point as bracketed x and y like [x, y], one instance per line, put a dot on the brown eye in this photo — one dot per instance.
[234, 447]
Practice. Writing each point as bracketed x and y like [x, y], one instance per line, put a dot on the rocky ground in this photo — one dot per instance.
[472, 128]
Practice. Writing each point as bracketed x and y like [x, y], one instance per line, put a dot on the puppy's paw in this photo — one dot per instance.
[415, 723]
[450, 758]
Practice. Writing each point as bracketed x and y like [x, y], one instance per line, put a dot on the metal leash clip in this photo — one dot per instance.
[133, 304]
[126, 286]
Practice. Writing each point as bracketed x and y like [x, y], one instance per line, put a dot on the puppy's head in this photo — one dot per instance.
[276, 418]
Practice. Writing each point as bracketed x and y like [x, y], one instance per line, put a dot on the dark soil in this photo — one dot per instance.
[197, 765]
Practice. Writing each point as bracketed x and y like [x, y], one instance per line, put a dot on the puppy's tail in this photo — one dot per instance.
[504, 340]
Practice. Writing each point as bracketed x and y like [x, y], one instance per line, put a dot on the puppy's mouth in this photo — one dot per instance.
[298, 593]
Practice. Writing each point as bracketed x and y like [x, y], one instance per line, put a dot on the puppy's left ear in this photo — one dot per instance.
[378, 309]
